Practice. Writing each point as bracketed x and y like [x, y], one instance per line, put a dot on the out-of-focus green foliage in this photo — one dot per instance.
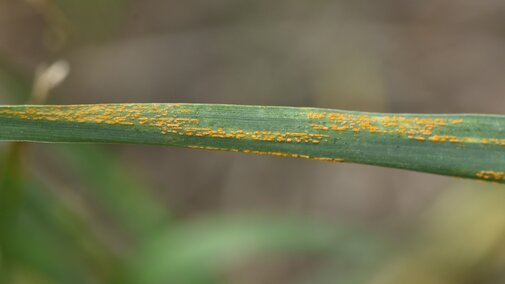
[52, 242]
[199, 252]
[10, 201]
[126, 198]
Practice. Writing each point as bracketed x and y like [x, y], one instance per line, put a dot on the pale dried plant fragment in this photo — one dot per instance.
[48, 78]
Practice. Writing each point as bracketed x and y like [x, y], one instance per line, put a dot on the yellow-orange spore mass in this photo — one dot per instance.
[491, 175]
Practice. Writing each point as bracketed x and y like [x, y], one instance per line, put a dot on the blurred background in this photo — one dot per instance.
[146, 214]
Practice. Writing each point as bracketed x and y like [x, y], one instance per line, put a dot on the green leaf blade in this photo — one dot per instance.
[464, 145]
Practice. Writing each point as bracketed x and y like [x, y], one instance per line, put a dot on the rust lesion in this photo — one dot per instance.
[446, 138]
[491, 175]
[418, 128]
[496, 141]
[258, 135]
[121, 114]
[271, 153]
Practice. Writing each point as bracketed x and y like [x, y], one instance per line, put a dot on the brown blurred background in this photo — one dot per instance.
[383, 56]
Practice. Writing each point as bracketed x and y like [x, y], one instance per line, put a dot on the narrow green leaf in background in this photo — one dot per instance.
[464, 145]
[200, 252]
[76, 239]
[11, 198]
[127, 199]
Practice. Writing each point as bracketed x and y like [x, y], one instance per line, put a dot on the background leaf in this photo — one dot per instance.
[200, 252]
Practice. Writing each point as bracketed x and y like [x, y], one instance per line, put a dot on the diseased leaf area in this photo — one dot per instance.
[464, 145]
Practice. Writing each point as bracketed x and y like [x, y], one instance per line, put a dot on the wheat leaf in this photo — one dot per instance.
[463, 145]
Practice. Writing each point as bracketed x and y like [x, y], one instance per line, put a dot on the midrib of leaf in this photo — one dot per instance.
[464, 145]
